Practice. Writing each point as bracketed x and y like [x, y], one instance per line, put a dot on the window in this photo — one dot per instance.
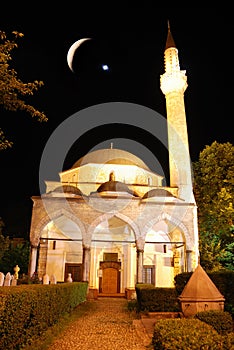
[110, 257]
[149, 274]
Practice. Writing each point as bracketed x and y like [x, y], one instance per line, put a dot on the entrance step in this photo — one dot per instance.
[111, 295]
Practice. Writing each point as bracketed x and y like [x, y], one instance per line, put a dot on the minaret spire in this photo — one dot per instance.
[173, 84]
[170, 41]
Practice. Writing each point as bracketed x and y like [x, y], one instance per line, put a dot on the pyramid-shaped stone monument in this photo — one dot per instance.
[200, 294]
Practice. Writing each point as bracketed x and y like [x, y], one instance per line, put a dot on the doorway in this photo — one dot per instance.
[109, 282]
[75, 270]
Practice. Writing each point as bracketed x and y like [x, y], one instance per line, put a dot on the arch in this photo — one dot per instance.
[108, 216]
[178, 223]
[44, 221]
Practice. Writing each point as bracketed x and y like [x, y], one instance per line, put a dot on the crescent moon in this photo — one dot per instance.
[72, 51]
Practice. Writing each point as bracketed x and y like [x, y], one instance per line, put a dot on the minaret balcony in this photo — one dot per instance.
[173, 82]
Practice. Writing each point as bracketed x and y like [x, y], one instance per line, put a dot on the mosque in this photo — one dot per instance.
[111, 222]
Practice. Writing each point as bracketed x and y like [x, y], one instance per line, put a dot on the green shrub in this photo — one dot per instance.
[221, 321]
[184, 334]
[132, 305]
[27, 311]
[154, 299]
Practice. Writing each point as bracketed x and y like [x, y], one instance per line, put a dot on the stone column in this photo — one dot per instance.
[33, 260]
[86, 263]
[189, 260]
[140, 265]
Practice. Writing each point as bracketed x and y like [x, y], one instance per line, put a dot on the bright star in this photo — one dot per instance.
[105, 67]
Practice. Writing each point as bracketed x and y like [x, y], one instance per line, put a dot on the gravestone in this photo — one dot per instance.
[2, 277]
[46, 279]
[69, 278]
[16, 269]
[7, 281]
[14, 281]
[53, 279]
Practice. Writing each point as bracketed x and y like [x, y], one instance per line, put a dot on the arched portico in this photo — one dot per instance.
[55, 233]
[113, 243]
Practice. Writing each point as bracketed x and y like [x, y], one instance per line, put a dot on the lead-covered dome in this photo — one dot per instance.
[115, 186]
[111, 156]
[157, 192]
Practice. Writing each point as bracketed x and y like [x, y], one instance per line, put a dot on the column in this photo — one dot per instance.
[140, 265]
[86, 263]
[33, 260]
[189, 260]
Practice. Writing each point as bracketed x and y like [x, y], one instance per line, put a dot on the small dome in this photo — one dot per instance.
[68, 189]
[115, 186]
[157, 192]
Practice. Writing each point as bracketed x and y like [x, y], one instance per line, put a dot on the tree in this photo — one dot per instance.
[16, 255]
[4, 241]
[11, 254]
[214, 193]
[12, 89]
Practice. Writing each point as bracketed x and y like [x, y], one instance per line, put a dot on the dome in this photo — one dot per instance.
[68, 189]
[157, 192]
[111, 156]
[115, 186]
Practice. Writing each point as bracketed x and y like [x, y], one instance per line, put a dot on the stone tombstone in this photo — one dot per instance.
[2, 277]
[69, 278]
[53, 279]
[16, 269]
[7, 281]
[46, 279]
[14, 281]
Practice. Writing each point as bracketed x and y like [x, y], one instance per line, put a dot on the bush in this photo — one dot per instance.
[27, 311]
[133, 305]
[221, 321]
[191, 334]
[155, 299]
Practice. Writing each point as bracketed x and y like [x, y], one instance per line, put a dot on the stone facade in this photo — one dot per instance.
[128, 229]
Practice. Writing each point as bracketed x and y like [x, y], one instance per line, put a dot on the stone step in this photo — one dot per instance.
[162, 315]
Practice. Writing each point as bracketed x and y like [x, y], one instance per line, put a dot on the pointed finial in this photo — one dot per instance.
[170, 41]
[112, 176]
[168, 25]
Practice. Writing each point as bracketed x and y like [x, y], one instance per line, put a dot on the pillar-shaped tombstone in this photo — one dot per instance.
[2, 277]
[7, 281]
[53, 279]
[46, 279]
[16, 269]
[14, 281]
[69, 278]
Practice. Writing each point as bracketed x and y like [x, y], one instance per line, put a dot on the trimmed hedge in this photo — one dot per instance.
[26, 311]
[221, 321]
[192, 334]
[154, 299]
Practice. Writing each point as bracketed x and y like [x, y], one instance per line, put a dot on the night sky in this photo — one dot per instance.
[131, 40]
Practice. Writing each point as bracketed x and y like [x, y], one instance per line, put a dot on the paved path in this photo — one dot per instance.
[109, 326]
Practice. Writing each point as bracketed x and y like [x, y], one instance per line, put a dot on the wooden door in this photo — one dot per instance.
[109, 280]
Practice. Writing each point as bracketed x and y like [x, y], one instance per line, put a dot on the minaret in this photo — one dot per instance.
[173, 84]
